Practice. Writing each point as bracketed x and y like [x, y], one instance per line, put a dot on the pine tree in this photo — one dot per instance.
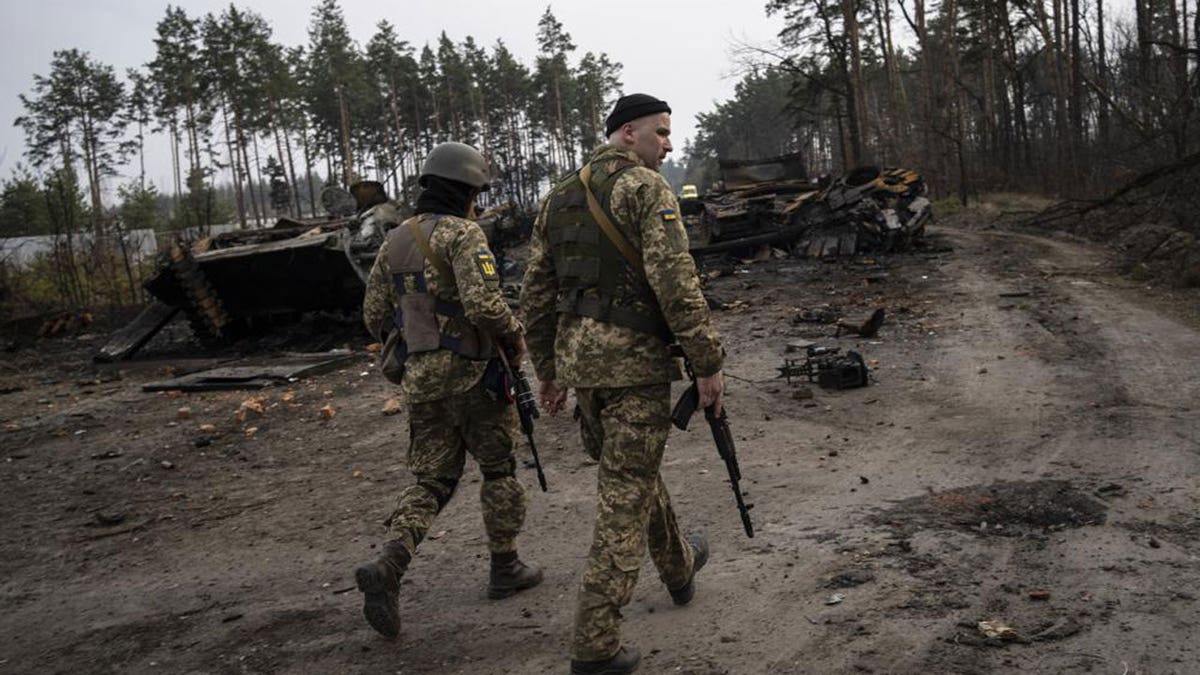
[556, 86]
[75, 113]
[335, 81]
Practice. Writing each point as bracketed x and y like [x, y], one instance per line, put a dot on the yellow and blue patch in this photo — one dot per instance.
[668, 214]
[487, 265]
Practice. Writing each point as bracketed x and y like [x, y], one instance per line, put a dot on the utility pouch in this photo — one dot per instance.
[393, 362]
[495, 382]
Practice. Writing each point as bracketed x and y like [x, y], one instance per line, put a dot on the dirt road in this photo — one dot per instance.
[1026, 455]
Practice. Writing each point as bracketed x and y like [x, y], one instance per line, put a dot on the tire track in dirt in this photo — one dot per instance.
[1102, 414]
[1067, 403]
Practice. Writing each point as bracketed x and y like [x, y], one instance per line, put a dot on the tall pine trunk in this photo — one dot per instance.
[235, 168]
[856, 108]
[1102, 76]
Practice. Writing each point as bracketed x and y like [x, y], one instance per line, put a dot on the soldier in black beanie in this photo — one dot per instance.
[643, 124]
[631, 107]
[609, 285]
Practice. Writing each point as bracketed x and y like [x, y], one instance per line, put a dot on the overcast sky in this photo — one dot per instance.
[677, 50]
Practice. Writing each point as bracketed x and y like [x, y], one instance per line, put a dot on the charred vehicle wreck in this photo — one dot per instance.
[233, 284]
[771, 201]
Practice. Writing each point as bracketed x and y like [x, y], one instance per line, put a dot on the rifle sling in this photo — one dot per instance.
[423, 243]
[614, 235]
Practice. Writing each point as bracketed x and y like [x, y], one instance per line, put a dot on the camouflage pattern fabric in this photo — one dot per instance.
[582, 352]
[460, 243]
[625, 429]
[441, 434]
[622, 385]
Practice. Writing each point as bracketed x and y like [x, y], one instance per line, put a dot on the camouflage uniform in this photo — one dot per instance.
[622, 381]
[450, 412]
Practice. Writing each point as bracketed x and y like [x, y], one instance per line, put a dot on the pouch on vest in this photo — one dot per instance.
[416, 325]
[393, 363]
[600, 275]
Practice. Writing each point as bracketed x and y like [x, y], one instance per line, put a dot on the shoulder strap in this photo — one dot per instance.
[422, 242]
[614, 235]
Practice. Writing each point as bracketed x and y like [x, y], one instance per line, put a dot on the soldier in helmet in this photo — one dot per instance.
[433, 297]
[609, 286]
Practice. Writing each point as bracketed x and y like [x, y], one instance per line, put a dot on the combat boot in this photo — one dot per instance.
[509, 575]
[683, 594]
[624, 661]
[379, 581]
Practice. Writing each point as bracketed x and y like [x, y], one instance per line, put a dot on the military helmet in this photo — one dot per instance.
[458, 162]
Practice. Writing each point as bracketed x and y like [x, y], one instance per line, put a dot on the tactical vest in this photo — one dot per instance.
[420, 312]
[594, 279]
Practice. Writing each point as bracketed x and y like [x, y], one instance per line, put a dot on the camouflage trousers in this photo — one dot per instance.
[625, 429]
[441, 434]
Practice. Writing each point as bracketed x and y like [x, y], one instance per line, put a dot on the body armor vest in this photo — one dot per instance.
[424, 322]
[594, 279]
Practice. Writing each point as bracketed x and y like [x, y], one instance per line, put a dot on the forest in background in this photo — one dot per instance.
[239, 109]
[1045, 96]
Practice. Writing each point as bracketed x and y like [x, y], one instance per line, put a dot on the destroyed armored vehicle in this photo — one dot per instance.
[771, 202]
[231, 284]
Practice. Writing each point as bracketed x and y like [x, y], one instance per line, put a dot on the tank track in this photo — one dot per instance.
[205, 312]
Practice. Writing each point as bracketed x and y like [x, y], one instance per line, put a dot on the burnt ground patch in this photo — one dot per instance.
[1001, 508]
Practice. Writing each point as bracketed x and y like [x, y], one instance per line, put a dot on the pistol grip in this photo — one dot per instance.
[685, 407]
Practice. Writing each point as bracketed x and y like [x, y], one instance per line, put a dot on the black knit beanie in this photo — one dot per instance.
[631, 107]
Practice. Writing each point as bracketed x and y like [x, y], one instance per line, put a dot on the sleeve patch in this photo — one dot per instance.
[487, 265]
[668, 214]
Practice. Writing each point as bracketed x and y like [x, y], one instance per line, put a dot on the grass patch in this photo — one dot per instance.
[994, 204]
[1011, 202]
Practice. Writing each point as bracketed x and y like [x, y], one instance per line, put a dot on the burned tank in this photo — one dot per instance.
[771, 201]
[238, 283]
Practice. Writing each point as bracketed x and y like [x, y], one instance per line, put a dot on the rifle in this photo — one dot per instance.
[527, 409]
[685, 407]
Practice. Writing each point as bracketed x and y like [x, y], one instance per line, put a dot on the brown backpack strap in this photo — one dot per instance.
[614, 235]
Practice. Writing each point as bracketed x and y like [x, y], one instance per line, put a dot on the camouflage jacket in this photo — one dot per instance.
[460, 243]
[578, 351]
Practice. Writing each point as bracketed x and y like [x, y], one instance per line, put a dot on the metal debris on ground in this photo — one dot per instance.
[815, 315]
[867, 329]
[285, 369]
[828, 367]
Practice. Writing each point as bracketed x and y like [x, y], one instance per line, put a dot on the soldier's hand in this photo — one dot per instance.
[712, 391]
[515, 351]
[552, 396]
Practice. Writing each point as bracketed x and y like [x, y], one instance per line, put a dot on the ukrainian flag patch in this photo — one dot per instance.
[487, 264]
[667, 214]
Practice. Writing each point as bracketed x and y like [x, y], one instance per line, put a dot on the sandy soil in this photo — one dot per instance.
[1026, 454]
